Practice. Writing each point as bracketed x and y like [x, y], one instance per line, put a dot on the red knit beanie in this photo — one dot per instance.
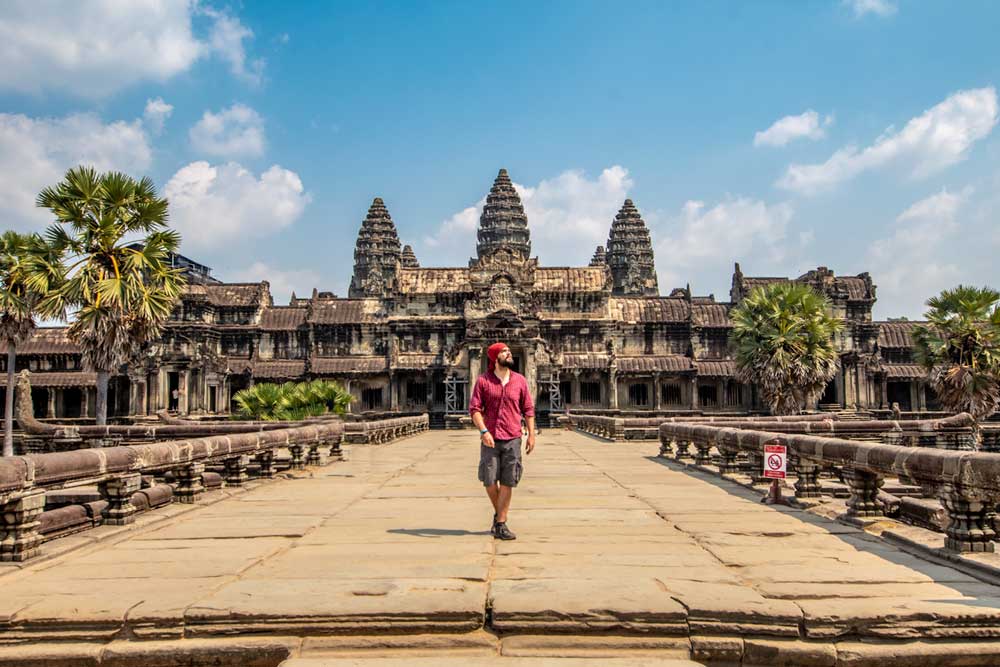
[492, 352]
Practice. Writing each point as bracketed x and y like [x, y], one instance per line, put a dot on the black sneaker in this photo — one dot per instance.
[502, 532]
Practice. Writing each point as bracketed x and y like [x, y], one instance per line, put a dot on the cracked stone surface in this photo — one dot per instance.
[396, 540]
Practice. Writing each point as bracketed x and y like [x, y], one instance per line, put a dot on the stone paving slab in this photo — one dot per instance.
[395, 542]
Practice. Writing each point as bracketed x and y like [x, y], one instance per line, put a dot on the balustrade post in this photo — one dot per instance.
[970, 521]
[667, 443]
[864, 487]
[727, 463]
[316, 458]
[703, 455]
[189, 485]
[756, 457]
[266, 461]
[807, 484]
[19, 521]
[336, 453]
[236, 470]
[682, 451]
[298, 460]
[118, 492]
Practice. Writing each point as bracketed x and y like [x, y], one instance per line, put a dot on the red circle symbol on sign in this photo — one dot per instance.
[774, 462]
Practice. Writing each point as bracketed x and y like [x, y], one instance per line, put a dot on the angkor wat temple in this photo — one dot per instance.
[409, 338]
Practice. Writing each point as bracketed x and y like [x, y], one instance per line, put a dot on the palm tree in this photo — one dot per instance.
[29, 269]
[121, 292]
[291, 401]
[783, 336]
[960, 348]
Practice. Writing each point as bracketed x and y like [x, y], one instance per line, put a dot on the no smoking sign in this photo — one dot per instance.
[775, 457]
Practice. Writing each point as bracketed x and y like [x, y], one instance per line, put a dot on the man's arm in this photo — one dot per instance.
[476, 410]
[528, 410]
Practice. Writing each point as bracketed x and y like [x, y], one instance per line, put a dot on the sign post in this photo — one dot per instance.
[775, 469]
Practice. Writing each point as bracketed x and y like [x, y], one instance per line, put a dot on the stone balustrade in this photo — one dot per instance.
[118, 471]
[966, 482]
[39, 437]
[380, 431]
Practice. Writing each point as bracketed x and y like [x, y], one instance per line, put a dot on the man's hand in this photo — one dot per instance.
[530, 447]
[487, 439]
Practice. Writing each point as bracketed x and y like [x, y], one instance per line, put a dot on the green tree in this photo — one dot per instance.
[291, 401]
[120, 285]
[960, 348]
[29, 269]
[783, 336]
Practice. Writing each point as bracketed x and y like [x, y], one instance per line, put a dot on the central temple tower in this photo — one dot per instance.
[503, 226]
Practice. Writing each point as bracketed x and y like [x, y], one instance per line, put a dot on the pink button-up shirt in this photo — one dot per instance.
[502, 406]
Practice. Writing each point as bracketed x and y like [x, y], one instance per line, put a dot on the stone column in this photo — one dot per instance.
[720, 393]
[613, 388]
[393, 391]
[50, 410]
[703, 453]
[728, 464]
[185, 390]
[85, 401]
[682, 452]
[429, 383]
[756, 457]
[316, 457]
[885, 393]
[575, 389]
[694, 393]
[298, 458]
[657, 394]
[118, 492]
[189, 485]
[19, 521]
[163, 390]
[236, 470]
[921, 402]
[864, 487]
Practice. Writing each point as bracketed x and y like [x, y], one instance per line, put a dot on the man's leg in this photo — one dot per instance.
[493, 491]
[502, 503]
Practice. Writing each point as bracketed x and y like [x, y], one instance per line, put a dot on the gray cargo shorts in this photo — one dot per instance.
[500, 463]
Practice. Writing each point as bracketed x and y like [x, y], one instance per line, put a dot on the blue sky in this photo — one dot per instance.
[858, 135]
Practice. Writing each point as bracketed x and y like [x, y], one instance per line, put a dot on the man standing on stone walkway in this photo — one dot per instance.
[499, 400]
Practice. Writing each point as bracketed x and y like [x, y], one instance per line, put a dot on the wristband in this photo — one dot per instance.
[484, 431]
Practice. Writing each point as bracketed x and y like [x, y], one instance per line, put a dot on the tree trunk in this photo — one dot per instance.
[102, 397]
[8, 414]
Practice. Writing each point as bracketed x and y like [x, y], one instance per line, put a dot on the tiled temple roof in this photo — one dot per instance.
[239, 365]
[674, 363]
[283, 318]
[279, 369]
[46, 340]
[722, 368]
[345, 311]
[233, 294]
[649, 309]
[585, 360]
[433, 280]
[855, 287]
[64, 379]
[896, 334]
[564, 279]
[710, 314]
[904, 371]
[344, 365]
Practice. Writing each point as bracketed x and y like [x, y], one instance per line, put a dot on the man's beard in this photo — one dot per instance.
[506, 363]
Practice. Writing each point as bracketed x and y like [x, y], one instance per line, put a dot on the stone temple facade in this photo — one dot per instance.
[412, 338]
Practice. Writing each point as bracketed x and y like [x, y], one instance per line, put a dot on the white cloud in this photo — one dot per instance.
[94, 48]
[877, 7]
[910, 265]
[701, 243]
[214, 205]
[156, 114]
[225, 38]
[234, 132]
[283, 281]
[568, 216]
[37, 152]
[804, 126]
[930, 142]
